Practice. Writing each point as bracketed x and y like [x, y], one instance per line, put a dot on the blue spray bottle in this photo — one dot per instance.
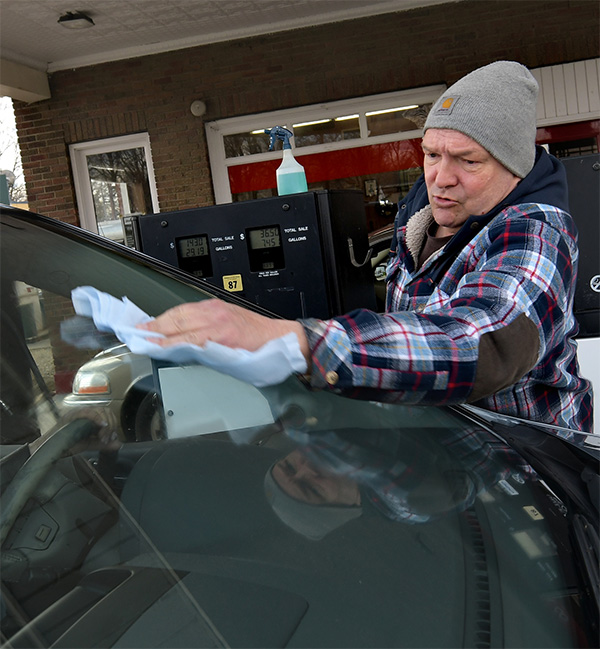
[291, 178]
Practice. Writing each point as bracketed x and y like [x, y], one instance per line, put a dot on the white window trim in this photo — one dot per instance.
[81, 179]
[569, 92]
[217, 130]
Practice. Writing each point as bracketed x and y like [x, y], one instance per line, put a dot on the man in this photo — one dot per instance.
[406, 476]
[481, 276]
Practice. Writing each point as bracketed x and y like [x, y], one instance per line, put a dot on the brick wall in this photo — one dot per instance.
[426, 46]
[66, 358]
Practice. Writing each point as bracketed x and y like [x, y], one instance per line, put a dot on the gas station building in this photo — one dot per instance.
[185, 128]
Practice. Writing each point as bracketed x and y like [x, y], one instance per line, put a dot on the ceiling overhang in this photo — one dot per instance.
[23, 83]
[33, 43]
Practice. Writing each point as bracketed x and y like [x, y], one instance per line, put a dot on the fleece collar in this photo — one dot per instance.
[416, 231]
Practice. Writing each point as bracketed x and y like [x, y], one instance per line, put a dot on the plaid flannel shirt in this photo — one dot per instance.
[424, 349]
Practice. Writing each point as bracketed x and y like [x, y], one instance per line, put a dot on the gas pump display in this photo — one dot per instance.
[300, 255]
[193, 255]
[264, 249]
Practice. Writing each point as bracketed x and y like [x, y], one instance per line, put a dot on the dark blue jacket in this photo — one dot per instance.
[488, 319]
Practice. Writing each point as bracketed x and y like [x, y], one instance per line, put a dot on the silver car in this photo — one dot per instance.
[120, 381]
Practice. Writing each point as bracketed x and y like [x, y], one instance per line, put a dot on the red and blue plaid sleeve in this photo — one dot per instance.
[425, 350]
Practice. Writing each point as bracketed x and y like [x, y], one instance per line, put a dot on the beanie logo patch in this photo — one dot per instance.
[447, 106]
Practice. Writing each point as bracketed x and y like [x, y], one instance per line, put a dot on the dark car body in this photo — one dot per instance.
[271, 517]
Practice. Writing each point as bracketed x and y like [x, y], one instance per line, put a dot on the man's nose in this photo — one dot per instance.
[446, 173]
[305, 470]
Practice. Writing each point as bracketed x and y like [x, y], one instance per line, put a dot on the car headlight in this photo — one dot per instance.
[91, 383]
[380, 272]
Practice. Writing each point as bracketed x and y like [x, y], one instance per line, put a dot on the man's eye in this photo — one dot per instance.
[287, 467]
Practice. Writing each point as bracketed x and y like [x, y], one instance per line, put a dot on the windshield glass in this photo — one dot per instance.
[159, 505]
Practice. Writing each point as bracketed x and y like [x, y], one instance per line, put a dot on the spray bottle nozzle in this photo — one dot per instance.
[279, 133]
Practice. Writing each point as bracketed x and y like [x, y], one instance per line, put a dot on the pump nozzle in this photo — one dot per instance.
[279, 133]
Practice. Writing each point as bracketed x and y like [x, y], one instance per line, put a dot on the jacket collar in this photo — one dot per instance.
[416, 231]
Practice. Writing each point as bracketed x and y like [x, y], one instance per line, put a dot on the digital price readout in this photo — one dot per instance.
[264, 248]
[264, 237]
[193, 255]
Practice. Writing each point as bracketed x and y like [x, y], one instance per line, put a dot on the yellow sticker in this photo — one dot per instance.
[232, 283]
[533, 512]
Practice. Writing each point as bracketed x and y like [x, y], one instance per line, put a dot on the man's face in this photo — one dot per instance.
[307, 483]
[462, 178]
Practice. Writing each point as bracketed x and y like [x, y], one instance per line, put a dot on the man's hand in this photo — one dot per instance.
[223, 323]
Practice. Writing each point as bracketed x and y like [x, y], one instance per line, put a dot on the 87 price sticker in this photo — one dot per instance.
[233, 283]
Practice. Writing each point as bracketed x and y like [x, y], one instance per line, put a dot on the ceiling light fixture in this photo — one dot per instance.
[75, 20]
[390, 110]
[316, 121]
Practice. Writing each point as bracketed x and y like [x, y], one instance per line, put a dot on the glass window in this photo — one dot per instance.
[119, 181]
[242, 144]
[41, 373]
[312, 133]
[165, 505]
[326, 131]
[113, 180]
[397, 120]
[45, 365]
[383, 172]
[574, 148]
[234, 144]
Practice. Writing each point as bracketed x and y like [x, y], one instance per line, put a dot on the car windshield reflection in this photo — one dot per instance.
[151, 504]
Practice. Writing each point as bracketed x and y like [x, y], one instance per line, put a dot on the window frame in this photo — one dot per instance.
[218, 129]
[81, 177]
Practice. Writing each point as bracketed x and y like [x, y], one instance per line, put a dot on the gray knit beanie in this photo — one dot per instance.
[496, 106]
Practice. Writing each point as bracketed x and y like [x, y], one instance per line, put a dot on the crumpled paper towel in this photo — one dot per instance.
[269, 365]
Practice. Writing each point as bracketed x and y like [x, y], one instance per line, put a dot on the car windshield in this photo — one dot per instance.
[150, 504]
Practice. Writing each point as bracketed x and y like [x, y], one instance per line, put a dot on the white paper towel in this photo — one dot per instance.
[269, 365]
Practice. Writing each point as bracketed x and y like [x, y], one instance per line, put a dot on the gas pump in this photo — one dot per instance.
[583, 177]
[299, 255]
